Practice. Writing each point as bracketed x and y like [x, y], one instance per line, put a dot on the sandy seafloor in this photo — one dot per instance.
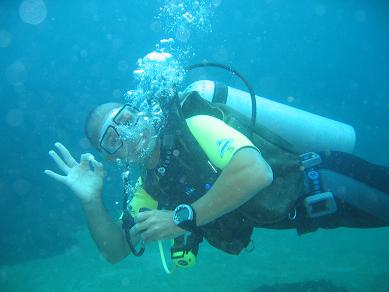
[327, 260]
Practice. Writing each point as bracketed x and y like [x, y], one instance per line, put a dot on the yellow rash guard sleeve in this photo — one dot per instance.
[218, 140]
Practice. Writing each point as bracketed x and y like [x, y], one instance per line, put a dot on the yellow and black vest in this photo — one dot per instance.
[184, 174]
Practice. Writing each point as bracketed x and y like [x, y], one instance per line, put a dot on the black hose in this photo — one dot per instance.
[128, 221]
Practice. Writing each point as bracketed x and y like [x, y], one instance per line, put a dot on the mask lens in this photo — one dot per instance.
[128, 116]
[111, 141]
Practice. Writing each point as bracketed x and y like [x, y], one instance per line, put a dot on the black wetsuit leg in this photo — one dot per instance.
[376, 176]
[358, 204]
[360, 188]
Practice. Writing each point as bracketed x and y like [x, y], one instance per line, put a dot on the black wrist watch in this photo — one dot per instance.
[184, 216]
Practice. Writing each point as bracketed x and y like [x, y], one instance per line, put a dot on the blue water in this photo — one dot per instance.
[330, 56]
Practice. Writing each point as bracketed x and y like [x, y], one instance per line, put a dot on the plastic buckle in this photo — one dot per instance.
[310, 159]
[320, 204]
[182, 257]
[177, 253]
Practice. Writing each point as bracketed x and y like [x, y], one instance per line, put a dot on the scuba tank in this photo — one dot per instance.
[303, 130]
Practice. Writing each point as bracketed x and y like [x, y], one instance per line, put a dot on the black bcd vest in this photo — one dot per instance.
[184, 174]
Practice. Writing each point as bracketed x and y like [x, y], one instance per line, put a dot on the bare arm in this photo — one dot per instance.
[244, 176]
[107, 234]
[85, 179]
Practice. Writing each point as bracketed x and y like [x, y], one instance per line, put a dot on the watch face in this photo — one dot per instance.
[182, 214]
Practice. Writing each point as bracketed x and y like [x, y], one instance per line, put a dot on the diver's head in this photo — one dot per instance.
[121, 132]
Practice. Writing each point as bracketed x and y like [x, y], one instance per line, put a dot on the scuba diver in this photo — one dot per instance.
[208, 175]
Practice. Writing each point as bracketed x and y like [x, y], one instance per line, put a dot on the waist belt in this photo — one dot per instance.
[314, 203]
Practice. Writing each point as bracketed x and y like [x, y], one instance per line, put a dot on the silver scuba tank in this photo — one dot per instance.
[304, 130]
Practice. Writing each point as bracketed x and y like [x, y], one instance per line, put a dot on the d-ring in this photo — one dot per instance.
[294, 215]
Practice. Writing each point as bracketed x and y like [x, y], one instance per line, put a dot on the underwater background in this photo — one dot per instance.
[59, 59]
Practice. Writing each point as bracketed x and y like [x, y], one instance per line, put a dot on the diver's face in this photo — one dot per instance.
[127, 134]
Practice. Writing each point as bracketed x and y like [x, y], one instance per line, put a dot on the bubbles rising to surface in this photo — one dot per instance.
[182, 33]
[176, 14]
[216, 3]
[158, 74]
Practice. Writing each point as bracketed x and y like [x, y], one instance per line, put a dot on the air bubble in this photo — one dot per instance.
[14, 117]
[5, 38]
[183, 33]
[116, 93]
[360, 16]
[195, 14]
[123, 65]
[320, 10]
[33, 11]
[216, 3]
[21, 187]
[16, 73]
[290, 99]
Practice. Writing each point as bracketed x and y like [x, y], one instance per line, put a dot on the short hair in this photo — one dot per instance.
[94, 119]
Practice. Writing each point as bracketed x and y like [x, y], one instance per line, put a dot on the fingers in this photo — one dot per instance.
[88, 158]
[55, 176]
[144, 232]
[135, 237]
[154, 233]
[148, 235]
[154, 225]
[142, 216]
[61, 164]
[99, 170]
[85, 159]
[138, 228]
[141, 223]
[71, 162]
[67, 161]
[137, 232]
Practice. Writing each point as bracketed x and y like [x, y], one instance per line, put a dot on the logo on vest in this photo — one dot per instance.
[224, 145]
